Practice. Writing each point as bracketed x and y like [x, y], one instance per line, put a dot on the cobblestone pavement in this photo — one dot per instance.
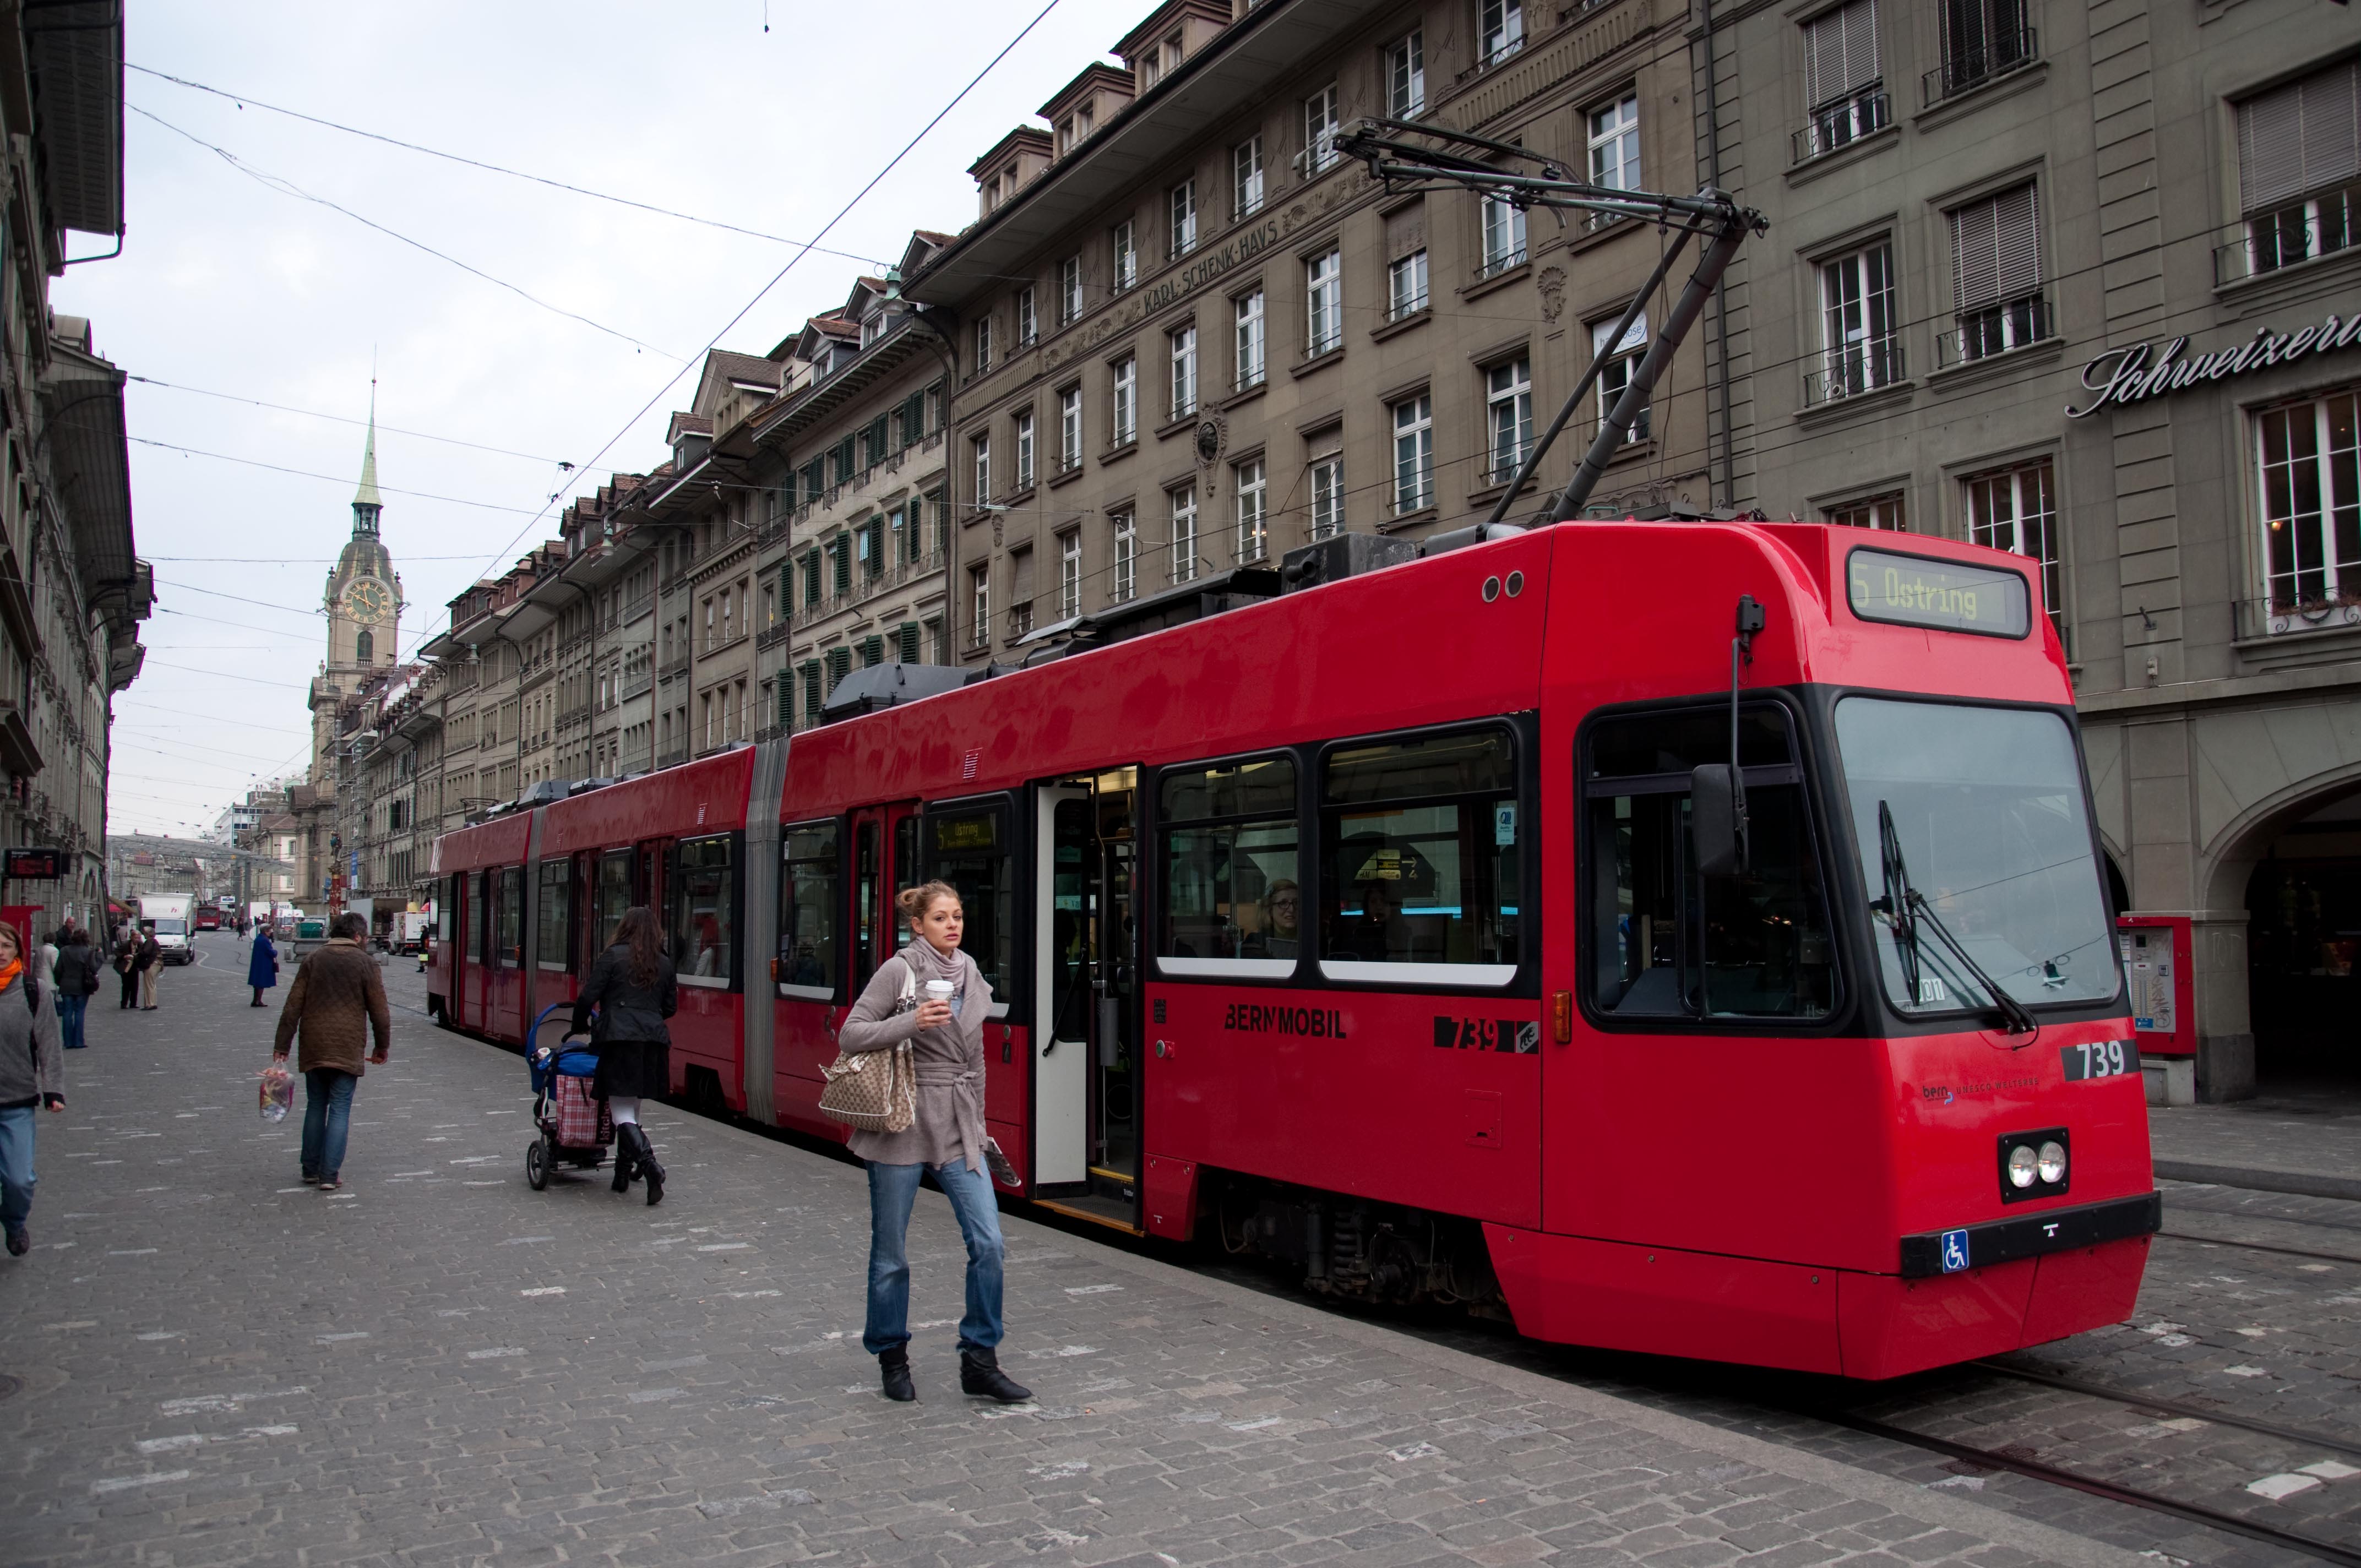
[216, 1365]
[2311, 1134]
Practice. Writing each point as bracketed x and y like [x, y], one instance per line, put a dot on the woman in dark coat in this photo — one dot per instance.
[262, 967]
[631, 986]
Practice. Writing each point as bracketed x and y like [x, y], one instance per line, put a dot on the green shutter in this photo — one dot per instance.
[786, 584]
[811, 575]
[876, 526]
[783, 701]
[811, 691]
[839, 664]
[815, 479]
[842, 548]
[845, 458]
[914, 419]
[906, 634]
[876, 439]
[873, 652]
[939, 505]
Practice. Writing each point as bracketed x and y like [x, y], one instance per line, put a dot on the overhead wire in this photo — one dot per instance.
[345, 419]
[306, 474]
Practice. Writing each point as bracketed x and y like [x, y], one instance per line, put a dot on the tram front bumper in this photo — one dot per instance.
[2030, 1236]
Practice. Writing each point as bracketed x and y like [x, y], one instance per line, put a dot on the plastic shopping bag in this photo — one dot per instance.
[278, 1092]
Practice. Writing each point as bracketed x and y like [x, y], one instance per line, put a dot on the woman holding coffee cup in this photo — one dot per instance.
[932, 995]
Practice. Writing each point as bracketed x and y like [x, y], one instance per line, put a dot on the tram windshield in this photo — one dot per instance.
[1975, 843]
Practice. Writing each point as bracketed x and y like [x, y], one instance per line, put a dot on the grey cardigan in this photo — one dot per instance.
[32, 1069]
[950, 1124]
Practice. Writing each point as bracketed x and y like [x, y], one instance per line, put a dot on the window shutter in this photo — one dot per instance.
[877, 545]
[1839, 52]
[786, 584]
[1995, 248]
[782, 705]
[914, 419]
[876, 438]
[873, 652]
[839, 664]
[812, 697]
[1406, 230]
[2300, 138]
[841, 546]
[906, 634]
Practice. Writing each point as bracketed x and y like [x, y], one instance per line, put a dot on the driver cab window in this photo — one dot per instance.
[1667, 942]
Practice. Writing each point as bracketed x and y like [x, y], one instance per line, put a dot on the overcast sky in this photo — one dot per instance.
[230, 286]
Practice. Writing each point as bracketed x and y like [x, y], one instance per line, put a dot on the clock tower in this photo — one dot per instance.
[363, 602]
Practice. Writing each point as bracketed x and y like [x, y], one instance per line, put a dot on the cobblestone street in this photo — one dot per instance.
[439, 1365]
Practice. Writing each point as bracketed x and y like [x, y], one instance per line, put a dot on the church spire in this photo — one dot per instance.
[366, 503]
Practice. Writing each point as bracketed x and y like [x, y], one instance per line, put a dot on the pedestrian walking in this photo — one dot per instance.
[945, 1032]
[337, 999]
[32, 1074]
[262, 965]
[150, 965]
[75, 975]
[127, 964]
[632, 985]
[47, 971]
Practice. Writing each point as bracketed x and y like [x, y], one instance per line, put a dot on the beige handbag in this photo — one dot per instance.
[875, 1092]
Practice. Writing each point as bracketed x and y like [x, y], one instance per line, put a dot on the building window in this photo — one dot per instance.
[1615, 144]
[2309, 458]
[1621, 358]
[1247, 482]
[1843, 87]
[2299, 160]
[1126, 270]
[1325, 481]
[1509, 414]
[1320, 131]
[1247, 309]
[1069, 574]
[1028, 324]
[1406, 78]
[1504, 236]
[1127, 557]
[2017, 510]
[1070, 430]
[1884, 512]
[1406, 286]
[983, 346]
[1860, 338]
[979, 584]
[1323, 304]
[1184, 533]
[1070, 291]
[982, 446]
[1413, 454]
[1025, 450]
[1501, 29]
[1182, 345]
[1184, 218]
[1246, 177]
[1996, 277]
[364, 647]
[1982, 40]
[1126, 422]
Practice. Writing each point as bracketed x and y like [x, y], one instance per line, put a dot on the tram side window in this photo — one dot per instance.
[446, 917]
[1232, 901]
[550, 937]
[507, 918]
[702, 897]
[970, 849]
[1420, 859]
[614, 896]
[1668, 943]
[808, 883]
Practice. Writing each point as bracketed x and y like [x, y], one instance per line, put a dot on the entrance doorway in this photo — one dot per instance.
[1086, 1074]
[2303, 934]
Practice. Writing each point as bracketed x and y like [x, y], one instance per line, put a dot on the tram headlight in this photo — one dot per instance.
[2052, 1166]
[2024, 1164]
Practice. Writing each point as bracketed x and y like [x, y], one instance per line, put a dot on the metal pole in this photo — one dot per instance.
[1582, 388]
[1700, 286]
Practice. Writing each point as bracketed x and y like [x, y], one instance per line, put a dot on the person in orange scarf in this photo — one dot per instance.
[32, 1074]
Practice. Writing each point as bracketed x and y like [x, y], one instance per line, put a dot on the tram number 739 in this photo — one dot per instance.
[2099, 1058]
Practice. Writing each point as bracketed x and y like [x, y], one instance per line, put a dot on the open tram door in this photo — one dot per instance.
[1086, 1088]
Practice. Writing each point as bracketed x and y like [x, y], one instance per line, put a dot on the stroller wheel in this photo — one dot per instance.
[536, 1165]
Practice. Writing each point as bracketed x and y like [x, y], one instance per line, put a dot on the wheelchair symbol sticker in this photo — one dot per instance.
[1955, 1251]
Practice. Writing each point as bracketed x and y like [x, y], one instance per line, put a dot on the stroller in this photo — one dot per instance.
[575, 1127]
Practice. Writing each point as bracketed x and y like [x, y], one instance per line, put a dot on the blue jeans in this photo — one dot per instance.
[17, 1177]
[69, 1016]
[892, 1190]
[327, 1116]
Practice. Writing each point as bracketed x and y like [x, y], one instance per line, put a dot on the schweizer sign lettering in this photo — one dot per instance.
[32, 865]
[2123, 376]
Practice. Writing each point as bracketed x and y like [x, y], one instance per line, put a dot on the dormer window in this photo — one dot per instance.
[873, 328]
[1172, 54]
[1065, 136]
[1151, 71]
[1083, 123]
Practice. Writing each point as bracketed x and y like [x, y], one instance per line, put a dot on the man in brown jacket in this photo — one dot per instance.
[337, 998]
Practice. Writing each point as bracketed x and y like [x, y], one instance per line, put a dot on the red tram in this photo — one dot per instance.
[1487, 928]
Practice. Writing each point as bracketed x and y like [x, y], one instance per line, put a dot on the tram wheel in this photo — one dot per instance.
[536, 1165]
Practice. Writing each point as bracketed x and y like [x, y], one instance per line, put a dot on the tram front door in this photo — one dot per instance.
[1085, 1060]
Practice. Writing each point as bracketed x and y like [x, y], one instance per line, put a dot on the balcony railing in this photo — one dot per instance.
[774, 634]
[675, 665]
[1504, 261]
[1500, 467]
[673, 758]
[1996, 329]
[1972, 68]
[1406, 501]
[1072, 463]
[1856, 368]
[1324, 342]
[637, 607]
[634, 685]
[2299, 231]
[1249, 379]
[2295, 609]
[1841, 124]
[1409, 305]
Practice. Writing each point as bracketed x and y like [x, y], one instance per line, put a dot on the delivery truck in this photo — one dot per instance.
[168, 914]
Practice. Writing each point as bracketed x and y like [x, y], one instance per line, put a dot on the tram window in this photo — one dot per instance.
[554, 919]
[446, 917]
[507, 918]
[1667, 943]
[701, 894]
[809, 881]
[970, 849]
[1420, 844]
[1233, 905]
[614, 896]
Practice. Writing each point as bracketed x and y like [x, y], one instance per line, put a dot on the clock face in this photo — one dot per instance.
[368, 600]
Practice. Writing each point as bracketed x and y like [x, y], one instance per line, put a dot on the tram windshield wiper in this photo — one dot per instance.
[1904, 908]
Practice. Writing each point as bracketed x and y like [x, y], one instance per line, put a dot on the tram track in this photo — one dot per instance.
[2262, 1246]
[2151, 1404]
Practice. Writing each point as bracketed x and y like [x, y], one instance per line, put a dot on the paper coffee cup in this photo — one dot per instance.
[940, 990]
